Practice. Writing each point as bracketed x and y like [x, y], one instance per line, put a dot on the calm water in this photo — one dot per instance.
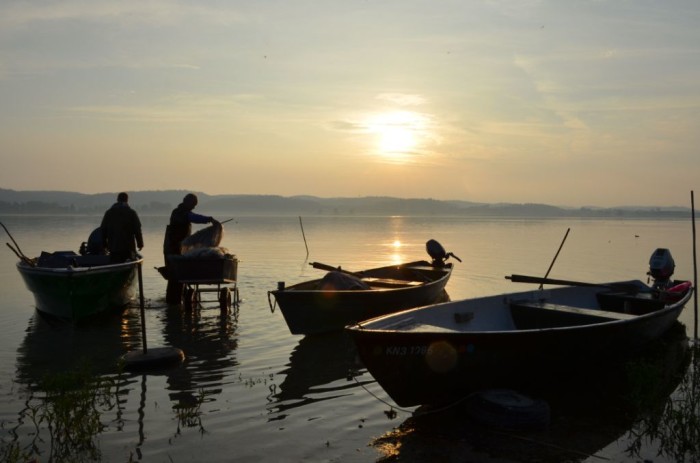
[260, 393]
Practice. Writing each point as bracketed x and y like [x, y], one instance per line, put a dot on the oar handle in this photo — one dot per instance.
[330, 268]
[550, 281]
[15, 242]
[628, 287]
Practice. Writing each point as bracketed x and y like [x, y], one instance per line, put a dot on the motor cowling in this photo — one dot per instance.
[661, 266]
[94, 244]
[438, 253]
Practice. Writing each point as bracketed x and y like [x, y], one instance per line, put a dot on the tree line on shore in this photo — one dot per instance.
[162, 202]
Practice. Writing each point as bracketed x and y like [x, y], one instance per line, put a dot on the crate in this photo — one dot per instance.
[202, 269]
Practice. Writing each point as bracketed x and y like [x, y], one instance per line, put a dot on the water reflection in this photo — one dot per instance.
[320, 368]
[208, 337]
[588, 412]
[53, 346]
[69, 371]
[675, 423]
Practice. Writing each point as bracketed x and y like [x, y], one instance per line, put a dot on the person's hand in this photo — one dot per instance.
[214, 221]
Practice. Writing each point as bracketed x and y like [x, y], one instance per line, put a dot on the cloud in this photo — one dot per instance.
[402, 99]
[21, 14]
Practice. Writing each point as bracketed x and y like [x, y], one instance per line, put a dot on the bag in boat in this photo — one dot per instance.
[341, 281]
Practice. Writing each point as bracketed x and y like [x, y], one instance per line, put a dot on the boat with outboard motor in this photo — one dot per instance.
[443, 352]
[73, 286]
[342, 297]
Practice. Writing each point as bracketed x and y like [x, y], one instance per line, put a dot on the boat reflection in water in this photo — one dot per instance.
[646, 409]
[53, 346]
[321, 367]
[69, 371]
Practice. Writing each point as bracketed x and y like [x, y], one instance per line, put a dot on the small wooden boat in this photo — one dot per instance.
[73, 286]
[444, 352]
[341, 298]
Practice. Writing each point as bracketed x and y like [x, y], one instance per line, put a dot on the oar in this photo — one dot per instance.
[553, 281]
[556, 255]
[21, 256]
[330, 268]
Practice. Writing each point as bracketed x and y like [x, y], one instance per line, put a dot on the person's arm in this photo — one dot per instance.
[103, 232]
[197, 218]
[137, 231]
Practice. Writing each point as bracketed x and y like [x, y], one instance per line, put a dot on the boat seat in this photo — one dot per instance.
[638, 304]
[424, 268]
[537, 315]
[390, 282]
[575, 310]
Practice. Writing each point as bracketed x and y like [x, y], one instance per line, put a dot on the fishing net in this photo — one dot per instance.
[209, 237]
[207, 253]
[340, 281]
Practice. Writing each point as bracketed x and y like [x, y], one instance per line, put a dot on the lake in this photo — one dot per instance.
[249, 391]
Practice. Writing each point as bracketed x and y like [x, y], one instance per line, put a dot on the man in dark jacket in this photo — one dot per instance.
[121, 230]
[179, 228]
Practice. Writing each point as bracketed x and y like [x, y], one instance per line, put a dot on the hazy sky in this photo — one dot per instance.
[561, 102]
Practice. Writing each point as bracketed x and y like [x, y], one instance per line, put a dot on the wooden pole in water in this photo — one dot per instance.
[157, 357]
[304, 235]
[143, 311]
[695, 264]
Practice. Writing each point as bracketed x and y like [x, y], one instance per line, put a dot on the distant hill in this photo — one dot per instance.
[162, 202]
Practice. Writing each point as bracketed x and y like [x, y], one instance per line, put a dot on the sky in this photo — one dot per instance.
[562, 102]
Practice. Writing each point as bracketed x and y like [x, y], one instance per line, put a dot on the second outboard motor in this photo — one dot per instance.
[94, 244]
[661, 267]
[437, 252]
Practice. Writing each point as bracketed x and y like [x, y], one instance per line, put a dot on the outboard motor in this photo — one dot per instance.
[437, 252]
[94, 244]
[661, 267]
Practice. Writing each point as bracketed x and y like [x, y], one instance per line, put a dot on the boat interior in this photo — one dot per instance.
[382, 278]
[63, 259]
[609, 306]
[533, 310]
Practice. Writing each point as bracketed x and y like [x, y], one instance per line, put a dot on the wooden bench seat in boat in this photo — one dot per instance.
[637, 304]
[390, 282]
[536, 314]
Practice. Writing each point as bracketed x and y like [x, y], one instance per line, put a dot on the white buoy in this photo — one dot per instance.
[154, 358]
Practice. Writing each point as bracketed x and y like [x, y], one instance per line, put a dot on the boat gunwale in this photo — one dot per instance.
[70, 270]
[446, 271]
[400, 316]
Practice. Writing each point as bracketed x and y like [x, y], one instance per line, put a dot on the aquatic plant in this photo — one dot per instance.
[66, 409]
[675, 424]
[189, 413]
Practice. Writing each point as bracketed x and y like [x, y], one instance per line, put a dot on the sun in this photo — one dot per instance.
[396, 140]
[399, 133]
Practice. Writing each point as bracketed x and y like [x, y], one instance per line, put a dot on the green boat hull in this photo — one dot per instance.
[77, 293]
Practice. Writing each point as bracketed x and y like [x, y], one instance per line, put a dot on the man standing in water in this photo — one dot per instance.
[121, 230]
[179, 228]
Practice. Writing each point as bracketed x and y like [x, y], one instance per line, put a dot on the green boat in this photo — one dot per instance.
[72, 286]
